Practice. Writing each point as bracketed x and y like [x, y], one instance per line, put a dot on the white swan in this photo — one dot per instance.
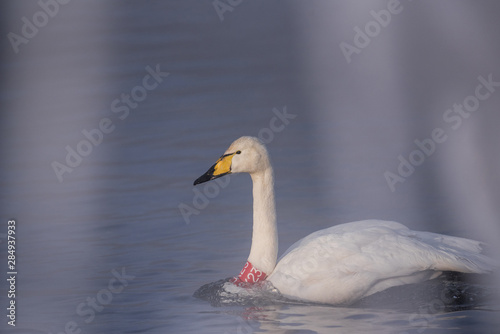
[343, 263]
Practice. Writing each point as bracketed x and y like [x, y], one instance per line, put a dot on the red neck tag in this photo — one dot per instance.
[249, 274]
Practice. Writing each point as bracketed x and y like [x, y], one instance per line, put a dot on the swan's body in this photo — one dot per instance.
[343, 263]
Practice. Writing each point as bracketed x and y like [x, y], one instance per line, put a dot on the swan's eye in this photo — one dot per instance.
[238, 152]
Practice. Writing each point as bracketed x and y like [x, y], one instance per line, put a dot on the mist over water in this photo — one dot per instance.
[111, 110]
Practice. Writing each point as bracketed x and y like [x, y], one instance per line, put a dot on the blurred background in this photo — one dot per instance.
[110, 110]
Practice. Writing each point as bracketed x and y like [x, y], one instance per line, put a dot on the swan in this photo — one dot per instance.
[343, 263]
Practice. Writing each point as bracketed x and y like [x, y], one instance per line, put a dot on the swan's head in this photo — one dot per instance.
[245, 155]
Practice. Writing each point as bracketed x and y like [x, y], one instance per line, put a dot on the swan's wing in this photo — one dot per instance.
[349, 261]
[452, 253]
[349, 232]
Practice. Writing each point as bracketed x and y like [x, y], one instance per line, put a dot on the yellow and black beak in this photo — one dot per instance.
[220, 168]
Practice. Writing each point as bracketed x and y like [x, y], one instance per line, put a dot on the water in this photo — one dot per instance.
[121, 243]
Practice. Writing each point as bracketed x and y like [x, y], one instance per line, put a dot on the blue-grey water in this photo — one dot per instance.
[110, 111]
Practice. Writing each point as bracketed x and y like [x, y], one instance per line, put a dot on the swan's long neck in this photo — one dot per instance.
[264, 251]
